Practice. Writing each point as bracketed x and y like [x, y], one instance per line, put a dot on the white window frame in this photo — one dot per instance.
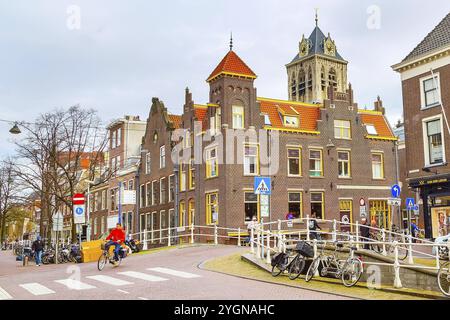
[371, 130]
[162, 157]
[240, 113]
[169, 184]
[247, 164]
[342, 126]
[153, 192]
[161, 182]
[425, 141]
[148, 163]
[422, 91]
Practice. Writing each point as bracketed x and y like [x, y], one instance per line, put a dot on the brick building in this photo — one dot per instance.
[107, 206]
[322, 158]
[425, 75]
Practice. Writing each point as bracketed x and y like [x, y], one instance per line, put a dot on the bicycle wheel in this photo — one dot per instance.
[375, 246]
[118, 262]
[296, 267]
[312, 269]
[352, 272]
[444, 279]
[280, 267]
[102, 261]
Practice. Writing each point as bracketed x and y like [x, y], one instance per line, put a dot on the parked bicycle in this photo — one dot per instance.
[390, 237]
[348, 270]
[296, 267]
[443, 278]
[280, 263]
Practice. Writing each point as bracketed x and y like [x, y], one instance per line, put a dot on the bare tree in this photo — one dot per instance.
[60, 152]
[9, 194]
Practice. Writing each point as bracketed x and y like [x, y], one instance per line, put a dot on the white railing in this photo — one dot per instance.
[270, 238]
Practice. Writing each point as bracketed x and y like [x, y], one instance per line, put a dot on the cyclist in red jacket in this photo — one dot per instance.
[116, 238]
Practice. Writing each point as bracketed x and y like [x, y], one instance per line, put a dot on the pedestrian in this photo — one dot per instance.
[364, 230]
[38, 247]
[314, 226]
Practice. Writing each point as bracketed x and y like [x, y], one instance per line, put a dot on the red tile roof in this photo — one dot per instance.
[308, 114]
[378, 120]
[200, 114]
[176, 120]
[232, 64]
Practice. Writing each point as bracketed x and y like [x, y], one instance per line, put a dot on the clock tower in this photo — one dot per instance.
[317, 67]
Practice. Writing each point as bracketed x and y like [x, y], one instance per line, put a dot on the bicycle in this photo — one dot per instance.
[390, 237]
[349, 270]
[280, 263]
[296, 267]
[105, 257]
[443, 279]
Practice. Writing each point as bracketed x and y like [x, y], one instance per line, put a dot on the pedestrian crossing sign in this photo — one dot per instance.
[410, 203]
[263, 186]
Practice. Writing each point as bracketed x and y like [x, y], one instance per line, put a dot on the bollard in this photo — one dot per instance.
[383, 236]
[192, 233]
[268, 248]
[334, 234]
[258, 244]
[397, 280]
[308, 235]
[145, 246]
[216, 239]
[239, 237]
[152, 236]
[410, 251]
[252, 239]
[357, 235]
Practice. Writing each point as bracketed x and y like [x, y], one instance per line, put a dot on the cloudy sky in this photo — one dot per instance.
[126, 52]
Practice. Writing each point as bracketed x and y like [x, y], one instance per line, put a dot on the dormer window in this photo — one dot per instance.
[291, 121]
[371, 130]
[267, 121]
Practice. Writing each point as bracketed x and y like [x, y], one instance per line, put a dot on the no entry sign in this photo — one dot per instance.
[78, 199]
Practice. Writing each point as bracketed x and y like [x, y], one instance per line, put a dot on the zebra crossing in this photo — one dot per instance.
[92, 282]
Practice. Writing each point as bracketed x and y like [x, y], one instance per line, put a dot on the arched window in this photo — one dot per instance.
[301, 83]
[294, 85]
[332, 79]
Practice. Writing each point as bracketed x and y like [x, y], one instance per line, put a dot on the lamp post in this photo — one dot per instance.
[88, 209]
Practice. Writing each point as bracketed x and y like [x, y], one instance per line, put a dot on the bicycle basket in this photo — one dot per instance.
[305, 249]
[276, 260]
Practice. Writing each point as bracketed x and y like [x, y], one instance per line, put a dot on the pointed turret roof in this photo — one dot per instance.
[232, 65]
[316, 41]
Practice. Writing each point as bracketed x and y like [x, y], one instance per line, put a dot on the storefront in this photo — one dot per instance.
[435, 199]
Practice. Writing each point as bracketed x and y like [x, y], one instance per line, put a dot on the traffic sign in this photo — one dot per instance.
[362, 202]
[410, 203]
[263, 186]
[395, 202]
[416, 210]
[265, 206]
[58, 221]
[79, 211]
[396, 191]
[78, 199]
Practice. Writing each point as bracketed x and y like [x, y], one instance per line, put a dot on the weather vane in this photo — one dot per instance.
[231, 41]
[317, 17]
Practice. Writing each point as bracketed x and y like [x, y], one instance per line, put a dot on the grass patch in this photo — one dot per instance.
[234, 265]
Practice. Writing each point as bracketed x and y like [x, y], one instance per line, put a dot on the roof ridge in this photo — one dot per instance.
[414, 52]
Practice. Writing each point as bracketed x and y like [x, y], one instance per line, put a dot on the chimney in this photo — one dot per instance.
[379, 106]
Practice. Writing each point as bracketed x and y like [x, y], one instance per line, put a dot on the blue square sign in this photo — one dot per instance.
[263, 186]
[410, 203]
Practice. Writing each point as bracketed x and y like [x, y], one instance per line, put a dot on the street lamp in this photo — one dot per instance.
[88, 209]
[15, 129]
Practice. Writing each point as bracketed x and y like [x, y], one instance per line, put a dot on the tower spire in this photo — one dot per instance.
[317, 17]
[231, 42]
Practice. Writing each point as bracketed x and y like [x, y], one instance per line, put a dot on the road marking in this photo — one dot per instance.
[37, 289]
[4, 295]
[75, 284]
[123, 291]
[110, 280]
[142, 298]
[142, 276]
[175, 273]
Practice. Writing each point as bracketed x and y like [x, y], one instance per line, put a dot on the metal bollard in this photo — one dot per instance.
[357, 235]
[258, 243]
[383, 235]
[308, 234]
[239, 237]
[192, 233]
[145, 246]
[268, 248]
[334, 234]
[397, 280]
[216, 239]
[252, 239]
[410, 251]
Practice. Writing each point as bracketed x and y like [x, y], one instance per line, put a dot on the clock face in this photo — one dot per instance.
[330, 48]
[304, 48]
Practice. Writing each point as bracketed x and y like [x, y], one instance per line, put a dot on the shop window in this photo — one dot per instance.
[295, 206]
[317, 205]
[251, 206]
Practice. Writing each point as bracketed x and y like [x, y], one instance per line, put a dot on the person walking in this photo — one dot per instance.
[38, 248]
[364, 230]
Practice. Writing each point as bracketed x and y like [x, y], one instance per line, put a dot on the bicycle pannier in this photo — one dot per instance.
[305, 249]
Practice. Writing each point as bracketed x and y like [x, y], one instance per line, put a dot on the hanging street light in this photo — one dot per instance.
[15, 129]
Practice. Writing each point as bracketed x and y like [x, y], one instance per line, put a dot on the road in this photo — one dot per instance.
[168, 274]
